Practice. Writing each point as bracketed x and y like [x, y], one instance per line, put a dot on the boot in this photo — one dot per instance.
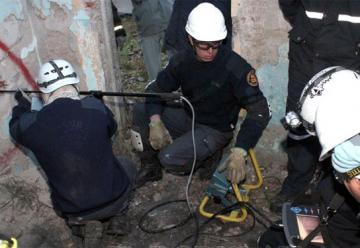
[119, 225]
[150, 171]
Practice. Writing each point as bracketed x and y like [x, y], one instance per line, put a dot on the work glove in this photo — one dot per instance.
[159, 136]
[23, 106]
[235, 165]
[97, 94]
[22, 99]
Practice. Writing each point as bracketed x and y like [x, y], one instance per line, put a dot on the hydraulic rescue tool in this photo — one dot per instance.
[222, 191]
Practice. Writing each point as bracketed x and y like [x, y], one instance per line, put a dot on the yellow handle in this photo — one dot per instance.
[234, 216]
[259, 176]
[6, 244]
[240, 214]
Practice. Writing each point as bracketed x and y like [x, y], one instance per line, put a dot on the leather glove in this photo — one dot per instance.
[235, 165]
[22, 99]
[159, 136]
[23, 106]
[97, 94]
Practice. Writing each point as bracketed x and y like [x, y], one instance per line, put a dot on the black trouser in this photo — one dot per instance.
[302, 154]
[179, 155]
[302, 160]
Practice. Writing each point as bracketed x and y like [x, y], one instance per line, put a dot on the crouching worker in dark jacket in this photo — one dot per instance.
[71, 139]
[217, 82]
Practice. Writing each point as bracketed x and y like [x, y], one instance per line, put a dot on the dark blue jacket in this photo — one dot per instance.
[217, 90]
[71, 141]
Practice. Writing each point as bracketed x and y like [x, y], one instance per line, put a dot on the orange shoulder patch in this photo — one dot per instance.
[252, 79]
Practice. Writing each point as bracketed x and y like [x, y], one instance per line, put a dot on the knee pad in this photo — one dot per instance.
[136, 140]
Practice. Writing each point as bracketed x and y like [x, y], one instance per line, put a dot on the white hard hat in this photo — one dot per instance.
[206, 23]
[337, 118]
[55, 74]
[312, 94]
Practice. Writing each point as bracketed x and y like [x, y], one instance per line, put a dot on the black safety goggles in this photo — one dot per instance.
[206, 45]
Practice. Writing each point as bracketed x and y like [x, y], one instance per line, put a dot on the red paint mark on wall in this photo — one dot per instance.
[24, 70]
[6, 157]
[90, 4]
[3, 84]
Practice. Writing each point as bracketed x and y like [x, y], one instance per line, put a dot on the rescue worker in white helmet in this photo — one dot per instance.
[71, 139]
[217, 82]
[323, 33]
[328, 107]
[336, 122]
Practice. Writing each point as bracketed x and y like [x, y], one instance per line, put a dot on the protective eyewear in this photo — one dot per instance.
[206, 45]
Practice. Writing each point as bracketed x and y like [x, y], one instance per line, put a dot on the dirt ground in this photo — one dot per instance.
[23, 214]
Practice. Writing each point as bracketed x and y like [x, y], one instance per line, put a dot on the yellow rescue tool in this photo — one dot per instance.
[220, 189]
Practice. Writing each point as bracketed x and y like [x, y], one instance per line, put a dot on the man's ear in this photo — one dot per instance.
[191, 40]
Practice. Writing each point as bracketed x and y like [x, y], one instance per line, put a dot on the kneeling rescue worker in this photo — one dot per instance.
[328, 107]
[71, 139]
[218, 83]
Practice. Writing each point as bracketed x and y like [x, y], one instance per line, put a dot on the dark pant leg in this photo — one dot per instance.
[179, 155]
[302, 161]
[300, 72]
[302, 154]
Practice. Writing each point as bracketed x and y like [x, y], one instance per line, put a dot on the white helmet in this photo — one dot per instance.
[206, 23]
[337, 118]
[55, 74]
[318, 86]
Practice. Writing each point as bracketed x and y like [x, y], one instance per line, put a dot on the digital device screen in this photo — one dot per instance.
[306, 224]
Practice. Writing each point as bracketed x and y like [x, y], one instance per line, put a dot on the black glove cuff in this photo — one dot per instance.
[24, 103]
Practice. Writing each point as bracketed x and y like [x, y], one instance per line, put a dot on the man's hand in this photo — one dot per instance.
[235, 165]
[22, 99]
[159, 136]
[97, 94]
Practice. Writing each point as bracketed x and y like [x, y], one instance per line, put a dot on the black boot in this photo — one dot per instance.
[150, 171]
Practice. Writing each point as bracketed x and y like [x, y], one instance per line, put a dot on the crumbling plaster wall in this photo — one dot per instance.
[260, 35]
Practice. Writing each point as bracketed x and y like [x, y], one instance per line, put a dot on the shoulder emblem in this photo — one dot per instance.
[252, 79]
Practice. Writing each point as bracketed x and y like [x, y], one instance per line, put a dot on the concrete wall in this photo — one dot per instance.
[260, 36]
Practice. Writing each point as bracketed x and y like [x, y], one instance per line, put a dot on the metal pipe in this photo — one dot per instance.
[164, 96]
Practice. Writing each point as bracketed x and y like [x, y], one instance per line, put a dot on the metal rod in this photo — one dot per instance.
[165, 96]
